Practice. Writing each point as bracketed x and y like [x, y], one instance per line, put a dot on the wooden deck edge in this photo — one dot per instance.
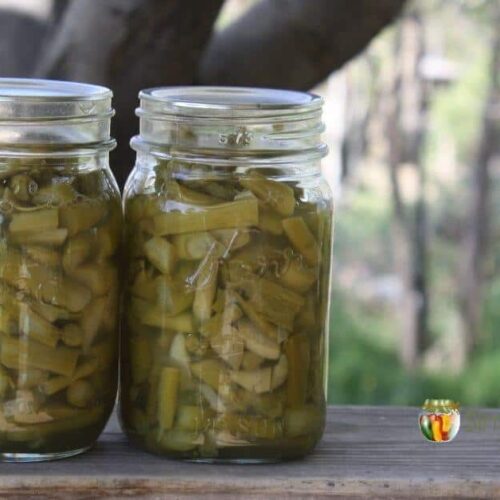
[59, 487]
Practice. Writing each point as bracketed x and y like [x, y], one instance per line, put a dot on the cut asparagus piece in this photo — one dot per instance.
[275, 195]
[262, 324]
[72, 335]
[190, 197]
[167, 397]
[215, 402]
[251, 361]
[297, 350]
[141, 358]
[97, 277]
[79, 217]
[92, 319]
[235, 214]
[76, 251]
[206, 286]
[270, 222]
[63, 293]
[55, 194]
[23, 187]
[276, 303]
[144, 286]
[280, 372]
[306, 319]
[59, 360]
[80, 393]
[210, 371]
[31, 377]
[5, 383]
[191, 418]
[256, 341]
[257, 381]
[180, 440]
[48, 237]
[108, 237]
[196, 345]
[161, 254]
[33, 326]
[51, 313]
[194, 246]
[229, 346]
[43, 255]
[232, 239]
[58, 383]
[250, 426]
[172, 296]
[297, 277]
[37, 221]
[155, 316]
[302, 239]
[178, 352]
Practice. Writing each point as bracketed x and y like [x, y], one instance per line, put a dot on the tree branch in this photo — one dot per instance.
[293, 43]
[129, 45]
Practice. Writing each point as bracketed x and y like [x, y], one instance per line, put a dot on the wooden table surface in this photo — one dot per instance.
[367, 452]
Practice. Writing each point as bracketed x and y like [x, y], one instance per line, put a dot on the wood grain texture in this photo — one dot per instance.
[367, 452]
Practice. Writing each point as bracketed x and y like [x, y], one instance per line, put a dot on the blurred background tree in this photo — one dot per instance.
[413, 117]
[128, 45]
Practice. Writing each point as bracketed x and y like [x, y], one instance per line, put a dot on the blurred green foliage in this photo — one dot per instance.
[364, 337]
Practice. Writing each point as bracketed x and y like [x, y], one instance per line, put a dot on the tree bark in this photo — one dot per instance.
[128, 45]
[293, 43]
[477, 237]
[406, 126]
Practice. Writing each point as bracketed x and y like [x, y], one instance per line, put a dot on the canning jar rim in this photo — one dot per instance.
[54, 113]
[228, 102]
[55, 90]
[28, 101]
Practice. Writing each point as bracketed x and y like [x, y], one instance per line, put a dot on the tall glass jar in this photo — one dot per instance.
[228, 237]
[60, 230]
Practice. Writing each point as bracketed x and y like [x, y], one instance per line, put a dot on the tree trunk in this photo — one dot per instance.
[406, 123]
[21, 40]
[128, 45]
[476, 240]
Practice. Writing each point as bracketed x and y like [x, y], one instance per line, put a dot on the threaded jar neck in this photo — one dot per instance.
[233, 123]
[49, 117]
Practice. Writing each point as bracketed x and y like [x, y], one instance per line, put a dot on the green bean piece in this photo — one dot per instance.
[167, 397]
[161, 254]
[40, 220]
[302, 239]
[276, 195]
[80, 393]
[242, 213]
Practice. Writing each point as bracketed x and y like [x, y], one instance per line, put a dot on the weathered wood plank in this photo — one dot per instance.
[366, 452]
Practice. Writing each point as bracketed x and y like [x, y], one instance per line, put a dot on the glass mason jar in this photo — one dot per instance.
[228, 237]
[60, 223]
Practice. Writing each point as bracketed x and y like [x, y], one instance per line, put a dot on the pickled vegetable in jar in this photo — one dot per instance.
[60, 234]
[228, 246]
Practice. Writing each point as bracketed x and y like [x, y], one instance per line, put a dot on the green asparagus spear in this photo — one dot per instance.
[302, 239]
[278, 196]
[235, 214]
